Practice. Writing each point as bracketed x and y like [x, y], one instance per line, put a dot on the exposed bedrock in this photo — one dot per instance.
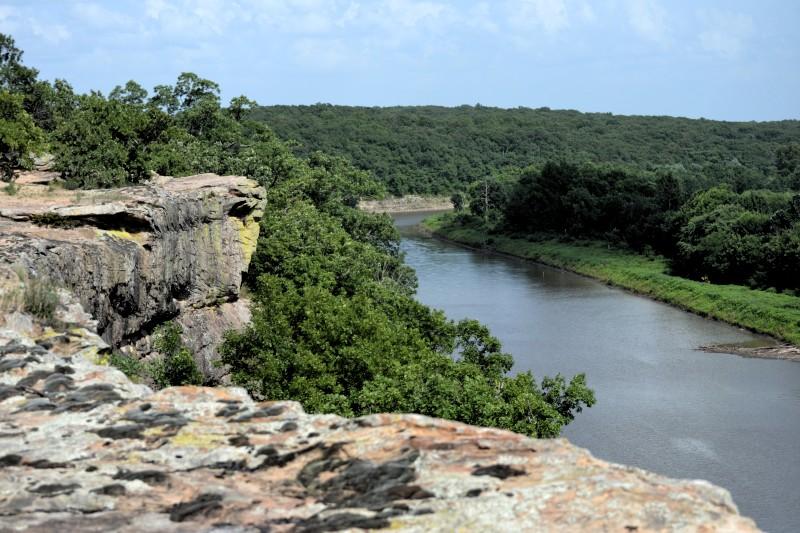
[139, 256]
[84, 449]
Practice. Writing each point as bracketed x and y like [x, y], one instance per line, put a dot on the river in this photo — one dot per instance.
[661, 404]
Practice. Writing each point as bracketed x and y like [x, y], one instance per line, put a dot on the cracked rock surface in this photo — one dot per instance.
[139, 256]
[82, 448]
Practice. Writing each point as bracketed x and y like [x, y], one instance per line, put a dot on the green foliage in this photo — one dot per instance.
[101, 144]
[437, 150]
[459, 200]
[40, 299]
[132, 94]
[19, 135]
[335, 327]
[133, 368]
[787, 163]
[487, 199]
[748, 238]
[176, 366]
[717, 235]
[53, 220]
[241, 106]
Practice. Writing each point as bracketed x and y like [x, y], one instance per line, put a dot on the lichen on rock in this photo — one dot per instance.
[83, 448]
[139, 256]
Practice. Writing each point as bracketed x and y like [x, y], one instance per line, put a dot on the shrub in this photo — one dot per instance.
[176, 366]
[133, 368]
[40, 299]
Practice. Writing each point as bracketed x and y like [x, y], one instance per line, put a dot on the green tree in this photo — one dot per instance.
[132, 93]
[240, 106]
[459, 200]
[487, 199]
[104, 143]
[19, 135]
[176, 365]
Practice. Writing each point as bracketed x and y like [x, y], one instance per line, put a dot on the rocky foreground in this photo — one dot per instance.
[82, 448]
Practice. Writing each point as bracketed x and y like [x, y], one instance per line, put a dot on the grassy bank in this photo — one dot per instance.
[762, 311]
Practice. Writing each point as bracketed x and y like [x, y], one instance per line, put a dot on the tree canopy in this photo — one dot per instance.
[437, 150]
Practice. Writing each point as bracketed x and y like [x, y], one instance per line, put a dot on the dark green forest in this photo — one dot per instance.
[335, 324]
[438, 150]
[718, 199]
[718, 235]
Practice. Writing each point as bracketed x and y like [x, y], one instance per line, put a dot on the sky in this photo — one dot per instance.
[718, 59]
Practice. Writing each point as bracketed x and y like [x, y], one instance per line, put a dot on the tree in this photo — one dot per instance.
[176, 365]
[19, 135]
[787, 162]
[241, 106]
[458, 199]
[487, 198]
[190, 89]
[14, 76]
[105, 143]
[132, 93]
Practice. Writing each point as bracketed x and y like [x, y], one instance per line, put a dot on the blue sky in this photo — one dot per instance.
[732, 60]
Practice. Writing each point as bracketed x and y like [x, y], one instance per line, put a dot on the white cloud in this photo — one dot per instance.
[548, 15]
[726, 33]
[323, 54]
[649, 20]
[100, 16]
[53, 34]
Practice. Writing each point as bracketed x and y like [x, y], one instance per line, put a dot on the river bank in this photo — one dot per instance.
[776, 315]
[406, 204]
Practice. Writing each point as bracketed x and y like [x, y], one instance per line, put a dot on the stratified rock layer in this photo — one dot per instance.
[139, 256]
[84, 449]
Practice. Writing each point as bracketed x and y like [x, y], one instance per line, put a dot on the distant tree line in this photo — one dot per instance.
[438, 150]
[716, 234]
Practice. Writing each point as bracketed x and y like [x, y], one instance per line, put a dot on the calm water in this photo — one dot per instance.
[662, 405]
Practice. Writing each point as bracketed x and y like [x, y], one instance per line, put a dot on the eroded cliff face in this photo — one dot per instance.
[84, 449]
[139, 256]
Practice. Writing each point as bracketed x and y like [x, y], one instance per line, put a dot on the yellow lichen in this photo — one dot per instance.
[138, 238]
[189, 436]
[248, 235]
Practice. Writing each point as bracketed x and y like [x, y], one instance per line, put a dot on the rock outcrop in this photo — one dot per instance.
[139, 256]
[84, 449]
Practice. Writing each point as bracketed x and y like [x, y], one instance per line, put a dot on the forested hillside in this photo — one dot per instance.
[439, 150]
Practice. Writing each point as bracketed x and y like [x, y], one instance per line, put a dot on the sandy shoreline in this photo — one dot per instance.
[406, 204]
[783, 351]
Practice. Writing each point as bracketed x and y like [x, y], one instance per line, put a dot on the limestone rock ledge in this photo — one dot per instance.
[138, 256]
[84, 449]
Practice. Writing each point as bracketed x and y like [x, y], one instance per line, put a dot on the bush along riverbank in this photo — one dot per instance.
[777, 315]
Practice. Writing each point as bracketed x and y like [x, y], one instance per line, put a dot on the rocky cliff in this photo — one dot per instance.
[84, 449]
[139, 256]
